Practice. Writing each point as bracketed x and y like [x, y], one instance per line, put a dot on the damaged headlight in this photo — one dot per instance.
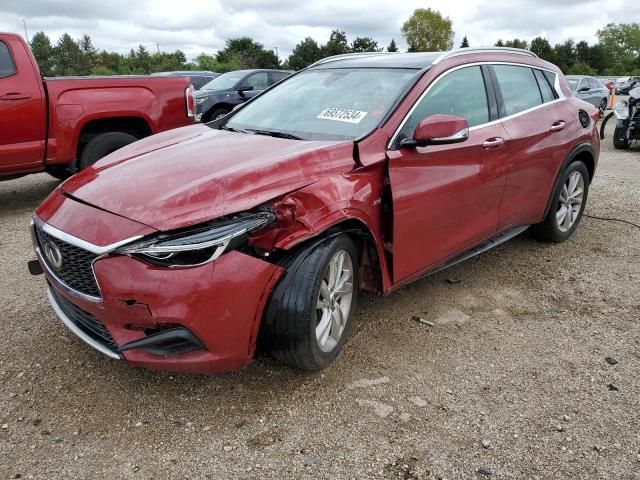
[198, 245]
[621, 110]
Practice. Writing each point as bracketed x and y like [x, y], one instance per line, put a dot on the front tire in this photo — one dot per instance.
[567, 205]
[310, 311]
[216, 114]
[620, 141]
[102, 145]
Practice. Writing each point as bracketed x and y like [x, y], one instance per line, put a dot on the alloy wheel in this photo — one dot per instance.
[570, 201]
[334, 300]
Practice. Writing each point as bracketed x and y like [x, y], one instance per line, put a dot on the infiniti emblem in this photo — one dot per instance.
[53, 254]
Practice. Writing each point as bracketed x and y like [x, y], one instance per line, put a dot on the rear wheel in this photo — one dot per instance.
[567, 205]
[620, 141]
[59, 172]
[102, 145]
[310, 311]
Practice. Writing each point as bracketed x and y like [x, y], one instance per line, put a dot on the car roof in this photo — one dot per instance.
[416, 60]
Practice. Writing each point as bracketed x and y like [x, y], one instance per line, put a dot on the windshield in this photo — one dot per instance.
[224, 81]
[573, 83]
[325, 104]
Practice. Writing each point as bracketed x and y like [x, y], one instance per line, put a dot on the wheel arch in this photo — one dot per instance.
[583, 152]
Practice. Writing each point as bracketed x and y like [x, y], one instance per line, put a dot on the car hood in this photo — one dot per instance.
[194, 174]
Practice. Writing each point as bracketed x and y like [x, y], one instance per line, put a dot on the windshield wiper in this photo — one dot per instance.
[231, 129]
[274, 133]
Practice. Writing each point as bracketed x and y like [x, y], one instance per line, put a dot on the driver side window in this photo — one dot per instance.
[259, 81]
[461, 93]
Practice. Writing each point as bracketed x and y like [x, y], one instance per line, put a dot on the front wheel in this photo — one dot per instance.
[310, 311]
[620, 141]
[567, 205]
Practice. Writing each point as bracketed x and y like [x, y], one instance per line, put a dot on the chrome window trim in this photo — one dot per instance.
[77, 331]
[556, 87]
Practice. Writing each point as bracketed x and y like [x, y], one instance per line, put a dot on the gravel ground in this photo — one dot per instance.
[517, 377]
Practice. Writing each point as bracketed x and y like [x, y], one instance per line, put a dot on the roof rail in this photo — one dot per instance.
[470, 50]
[349, 55]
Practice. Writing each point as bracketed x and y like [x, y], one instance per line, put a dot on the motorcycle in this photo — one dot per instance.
[628, 125]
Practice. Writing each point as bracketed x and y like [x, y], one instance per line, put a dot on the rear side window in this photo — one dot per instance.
[461, 93]
[519, 88]
[7, 67]
[277, 76]
[548, 95]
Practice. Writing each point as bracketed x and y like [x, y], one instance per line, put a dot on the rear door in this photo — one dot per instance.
[446, 197]
[539, 124]
[22, 116]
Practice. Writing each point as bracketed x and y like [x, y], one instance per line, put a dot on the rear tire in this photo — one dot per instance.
[620, 142]
[567, 205]
[308, 319]
[59, 172]
[102, 145]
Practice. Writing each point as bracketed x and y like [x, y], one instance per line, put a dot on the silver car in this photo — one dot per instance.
[590, 90]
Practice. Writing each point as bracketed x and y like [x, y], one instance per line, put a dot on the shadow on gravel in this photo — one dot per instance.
[16, 196]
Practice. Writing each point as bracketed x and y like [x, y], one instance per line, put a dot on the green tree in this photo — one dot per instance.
[581, 68]
[465, 42]
[67, 56]
[516, 43]
[427, 30]
[304, 54]
[541, 47]
[88, 55]
[392, 47]
[621, 43]
[247, 53]
[43, 51]
[337, 44]
[564, 54]
[499, 43]
[364, 44]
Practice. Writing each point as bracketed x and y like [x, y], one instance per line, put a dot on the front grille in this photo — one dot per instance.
[76, 270]
[85, 321]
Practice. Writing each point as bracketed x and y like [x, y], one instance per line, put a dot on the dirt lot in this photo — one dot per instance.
[515, 379]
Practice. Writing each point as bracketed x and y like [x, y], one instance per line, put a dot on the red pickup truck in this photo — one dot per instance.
[62, 125]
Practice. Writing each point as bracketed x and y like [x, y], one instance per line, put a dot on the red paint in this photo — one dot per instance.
[27, 145]
[420, 206]
[439, 126]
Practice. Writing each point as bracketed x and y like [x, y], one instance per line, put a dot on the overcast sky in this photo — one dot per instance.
[197, 26]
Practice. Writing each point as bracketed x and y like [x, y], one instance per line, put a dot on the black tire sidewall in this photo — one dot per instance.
[102, 145]
[559, 235]
[322, 358]
[619, 142]
[214, 112]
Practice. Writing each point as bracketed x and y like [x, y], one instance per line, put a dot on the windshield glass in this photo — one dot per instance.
[224, 81]
[573, 83]
[325, 104]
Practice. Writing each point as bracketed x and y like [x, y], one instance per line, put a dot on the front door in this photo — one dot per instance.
[22, 119]
[446, 198]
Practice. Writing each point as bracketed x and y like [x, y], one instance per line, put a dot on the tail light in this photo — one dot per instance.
[190, 101]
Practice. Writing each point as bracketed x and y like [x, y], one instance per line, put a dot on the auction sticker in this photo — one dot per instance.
[342, 115]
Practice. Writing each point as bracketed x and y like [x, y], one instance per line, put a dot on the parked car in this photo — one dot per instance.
[627, 113]
[198, 78]
[590, 90]
[361, 172]
[627, 86]
[62, 125]
[218, 97]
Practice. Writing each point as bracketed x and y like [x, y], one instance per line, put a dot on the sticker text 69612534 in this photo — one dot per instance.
[342, 115]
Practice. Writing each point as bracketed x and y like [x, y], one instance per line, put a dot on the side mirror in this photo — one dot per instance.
[438, 130]
[244, 88]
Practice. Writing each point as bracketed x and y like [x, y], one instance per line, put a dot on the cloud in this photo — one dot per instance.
[204, 25]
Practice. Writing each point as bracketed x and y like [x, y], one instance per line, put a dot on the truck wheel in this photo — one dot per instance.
[217, 113]
[619, 140]
[567, 204]
[310, 311]
[102, 145]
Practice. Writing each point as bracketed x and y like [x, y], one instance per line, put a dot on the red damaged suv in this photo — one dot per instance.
[184, 250]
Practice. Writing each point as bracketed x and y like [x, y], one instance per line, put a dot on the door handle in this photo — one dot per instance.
[495, 142]
[557, 126]
[15, 96]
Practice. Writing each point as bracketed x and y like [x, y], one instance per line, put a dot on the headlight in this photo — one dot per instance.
[198, 245]
[622, 110]
[201, 100]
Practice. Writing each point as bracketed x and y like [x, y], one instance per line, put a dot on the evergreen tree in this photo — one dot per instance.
[465, 42]
[392, 46]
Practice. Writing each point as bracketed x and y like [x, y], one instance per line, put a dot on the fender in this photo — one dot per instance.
[581, 148]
